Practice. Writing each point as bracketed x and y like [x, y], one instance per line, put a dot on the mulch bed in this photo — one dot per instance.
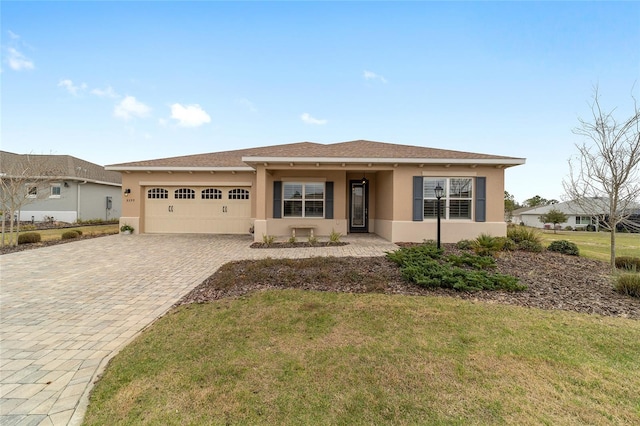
[554, 281]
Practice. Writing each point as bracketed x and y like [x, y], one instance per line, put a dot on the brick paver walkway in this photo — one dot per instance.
[66, 310]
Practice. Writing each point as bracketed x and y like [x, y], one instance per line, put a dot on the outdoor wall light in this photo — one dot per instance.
[127, 192]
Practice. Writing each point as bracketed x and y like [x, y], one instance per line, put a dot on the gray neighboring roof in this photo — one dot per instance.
[58, 166]
[572, 208]
[361, 150]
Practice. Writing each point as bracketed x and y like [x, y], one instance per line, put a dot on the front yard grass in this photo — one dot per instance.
[56, 233]
[301, 357]
[596, 245]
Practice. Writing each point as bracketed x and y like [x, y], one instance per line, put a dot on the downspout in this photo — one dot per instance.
[78, 206]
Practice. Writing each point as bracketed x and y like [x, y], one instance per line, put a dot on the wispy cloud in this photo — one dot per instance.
[307, 118]
[247, 104]
[72, 88]
[107, 92]
[12, 35]
[189, 115]
[370, 75]
[17, 61]
[129, 107]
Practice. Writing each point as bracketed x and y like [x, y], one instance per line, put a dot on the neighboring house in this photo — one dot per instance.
[77, 189]
[348, 187]
[577, 217]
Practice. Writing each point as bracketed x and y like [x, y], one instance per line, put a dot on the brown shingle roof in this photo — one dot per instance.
[359, 149]
[59, 166]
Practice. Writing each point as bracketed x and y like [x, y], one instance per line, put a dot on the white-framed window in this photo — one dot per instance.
[32, 192]
[456, 201]
[157, 193]
[303, 199]
[584, 220]
[238, 194]
[184, 194]
[55, 190]
[211, 194]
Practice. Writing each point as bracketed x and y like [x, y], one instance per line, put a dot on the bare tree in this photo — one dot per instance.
[23, 180]
[604, 178]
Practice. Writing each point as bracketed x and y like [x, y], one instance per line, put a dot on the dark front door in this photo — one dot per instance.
[359, 206]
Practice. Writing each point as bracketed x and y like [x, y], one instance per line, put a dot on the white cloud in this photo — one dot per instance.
[189, 115]
[12, 35]
[247, 103]
[17, 61]
[108, 92]
[72, 88]
[307, 118]
[370, 75]
[129, 107]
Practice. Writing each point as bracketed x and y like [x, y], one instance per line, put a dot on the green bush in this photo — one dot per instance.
[521, 233]
[565, 247]
[28, 228]
[69, 235]
[78, 231]
[426, 266]
[486, 245]
[532, 246]
[464, 244]
[568, 228]
[628, 262]
[29, 238]
[628, 284]
[507, 244]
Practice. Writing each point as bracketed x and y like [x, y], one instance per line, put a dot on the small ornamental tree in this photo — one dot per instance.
[553, 216]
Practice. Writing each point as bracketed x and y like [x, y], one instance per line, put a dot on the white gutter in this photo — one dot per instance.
[352, 160]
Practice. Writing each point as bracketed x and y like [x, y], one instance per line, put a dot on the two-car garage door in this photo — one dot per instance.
[202, 210]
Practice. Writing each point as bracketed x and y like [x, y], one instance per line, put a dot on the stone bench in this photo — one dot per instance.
[309, 227]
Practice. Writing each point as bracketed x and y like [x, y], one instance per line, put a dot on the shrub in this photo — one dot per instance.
[628, 262]
[292, 239]
[507, 244]
[464, 244]
[628, 284]
[425, 266]
[521, 233]
[334, 236]
[69, 235]
[568, 228]
[532, 246]
[78, 231]
[28, 227]
[313, 240]
[565, 247]
[486, 245]
[268, 239]
[29, 238]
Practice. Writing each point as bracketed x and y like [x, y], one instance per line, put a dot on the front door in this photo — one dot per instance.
[359, 206]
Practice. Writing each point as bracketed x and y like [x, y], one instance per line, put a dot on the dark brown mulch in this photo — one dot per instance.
[554, 281]
[297, 244]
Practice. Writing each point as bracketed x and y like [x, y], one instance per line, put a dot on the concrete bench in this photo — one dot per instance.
[309, 227]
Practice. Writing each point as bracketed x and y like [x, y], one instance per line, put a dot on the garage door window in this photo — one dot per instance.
[185, 194]
[157, 193]
[211, 194]
[238, 194]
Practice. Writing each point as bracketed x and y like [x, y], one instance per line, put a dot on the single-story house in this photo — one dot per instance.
[579, 215]
[312, 188]
[66, 189]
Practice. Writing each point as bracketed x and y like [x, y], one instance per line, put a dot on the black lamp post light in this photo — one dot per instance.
[439, 192]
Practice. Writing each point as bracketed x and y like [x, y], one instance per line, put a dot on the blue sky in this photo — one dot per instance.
[113, 82]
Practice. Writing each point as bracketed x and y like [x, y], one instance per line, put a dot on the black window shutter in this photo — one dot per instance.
[328, 207]
[418, 200]
[277, 199]
[481, 199]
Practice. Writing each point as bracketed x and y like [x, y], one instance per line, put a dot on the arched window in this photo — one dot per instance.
[157, 193]
[211, 194]
[238, 194]
[184, 194]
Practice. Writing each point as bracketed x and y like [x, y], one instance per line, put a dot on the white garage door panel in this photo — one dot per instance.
[200, 216]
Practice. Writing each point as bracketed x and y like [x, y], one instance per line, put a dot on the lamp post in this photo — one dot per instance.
[439, 191]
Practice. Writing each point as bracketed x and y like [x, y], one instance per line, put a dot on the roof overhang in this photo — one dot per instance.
[507, 162]
[178, 169]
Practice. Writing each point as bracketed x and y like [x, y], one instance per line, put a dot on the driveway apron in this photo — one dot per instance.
[65, 310]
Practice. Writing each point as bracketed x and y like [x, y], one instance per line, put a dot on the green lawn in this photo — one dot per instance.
[597, 245]
[295, 357]
[55, 234]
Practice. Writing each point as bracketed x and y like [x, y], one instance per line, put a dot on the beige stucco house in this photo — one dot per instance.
[349, 187]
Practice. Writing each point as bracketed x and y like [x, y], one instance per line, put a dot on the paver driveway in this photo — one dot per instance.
[66, 310]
